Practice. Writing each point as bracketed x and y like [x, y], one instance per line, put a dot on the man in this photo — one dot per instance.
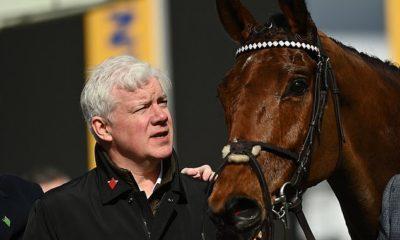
[48, 177]
[136, 190]
[16, 199]
[390, 215]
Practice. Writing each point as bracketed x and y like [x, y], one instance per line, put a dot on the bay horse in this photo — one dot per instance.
[275, 94]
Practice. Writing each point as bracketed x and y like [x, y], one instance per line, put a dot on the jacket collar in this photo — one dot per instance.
[111, 183]
[114, 181]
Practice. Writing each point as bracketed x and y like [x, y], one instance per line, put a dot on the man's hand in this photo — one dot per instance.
[204, 172]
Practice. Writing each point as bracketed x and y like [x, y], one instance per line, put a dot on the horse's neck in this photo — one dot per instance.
[371, 153]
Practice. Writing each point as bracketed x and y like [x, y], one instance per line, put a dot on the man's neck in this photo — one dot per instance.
[145, 172]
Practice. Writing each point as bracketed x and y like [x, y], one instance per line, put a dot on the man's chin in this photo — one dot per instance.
[162, 153]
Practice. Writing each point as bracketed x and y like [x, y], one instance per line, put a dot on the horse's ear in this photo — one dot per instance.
[237, 20]
[298, 18]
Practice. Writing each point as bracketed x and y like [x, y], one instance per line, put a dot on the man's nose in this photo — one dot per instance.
[160, 115]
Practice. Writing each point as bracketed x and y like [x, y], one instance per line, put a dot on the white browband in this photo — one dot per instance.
[274, 44]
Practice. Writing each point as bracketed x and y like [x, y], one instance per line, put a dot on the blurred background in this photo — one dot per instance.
[47, 47]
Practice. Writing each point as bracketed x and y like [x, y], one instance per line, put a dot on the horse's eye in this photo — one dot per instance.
[298, 87]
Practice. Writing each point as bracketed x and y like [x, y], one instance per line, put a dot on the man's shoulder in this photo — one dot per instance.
[11, 180]
[395, 180]
[193, 186]
[78, 188]
[392, 191]
[192, 181]
[13, 185]
[390, 213]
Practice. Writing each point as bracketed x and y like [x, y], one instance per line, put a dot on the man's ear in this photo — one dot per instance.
[101, 128]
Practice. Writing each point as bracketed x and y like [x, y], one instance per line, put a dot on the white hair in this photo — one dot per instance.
[124, 72]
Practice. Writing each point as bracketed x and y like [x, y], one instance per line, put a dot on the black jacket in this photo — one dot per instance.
[89, 208]
[16, 199]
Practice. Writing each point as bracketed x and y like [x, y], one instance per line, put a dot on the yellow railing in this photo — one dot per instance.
[121, 27]
[393, 28]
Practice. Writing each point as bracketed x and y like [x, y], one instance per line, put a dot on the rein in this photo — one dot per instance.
[240, 151]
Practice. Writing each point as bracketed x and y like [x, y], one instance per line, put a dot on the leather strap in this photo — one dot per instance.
[304, 224]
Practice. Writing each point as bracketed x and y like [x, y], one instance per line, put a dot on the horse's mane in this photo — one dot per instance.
[374, 61]
[387, 66]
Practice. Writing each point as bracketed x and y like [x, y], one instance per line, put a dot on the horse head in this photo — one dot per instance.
[269, 98]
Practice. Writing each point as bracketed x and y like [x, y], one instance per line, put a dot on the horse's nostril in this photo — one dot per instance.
[243, 213]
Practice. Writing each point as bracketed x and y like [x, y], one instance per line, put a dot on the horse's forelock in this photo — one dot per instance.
[276, 28]
[278, 20]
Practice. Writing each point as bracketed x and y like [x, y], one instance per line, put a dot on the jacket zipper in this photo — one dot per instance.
[146, 228]
[145, 225]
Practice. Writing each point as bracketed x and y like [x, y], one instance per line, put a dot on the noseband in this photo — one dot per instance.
[240, 151]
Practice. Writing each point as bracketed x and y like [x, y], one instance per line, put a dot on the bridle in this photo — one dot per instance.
[241, 151]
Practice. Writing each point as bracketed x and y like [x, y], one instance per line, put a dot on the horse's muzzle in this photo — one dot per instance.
[242, 217]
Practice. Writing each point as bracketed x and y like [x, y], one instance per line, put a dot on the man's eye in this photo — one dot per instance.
[163, 103]
[139, 109]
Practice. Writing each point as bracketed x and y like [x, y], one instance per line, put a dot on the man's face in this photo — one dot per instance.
[141, 125]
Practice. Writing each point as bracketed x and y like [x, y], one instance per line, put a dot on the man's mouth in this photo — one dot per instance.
[160, 134]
